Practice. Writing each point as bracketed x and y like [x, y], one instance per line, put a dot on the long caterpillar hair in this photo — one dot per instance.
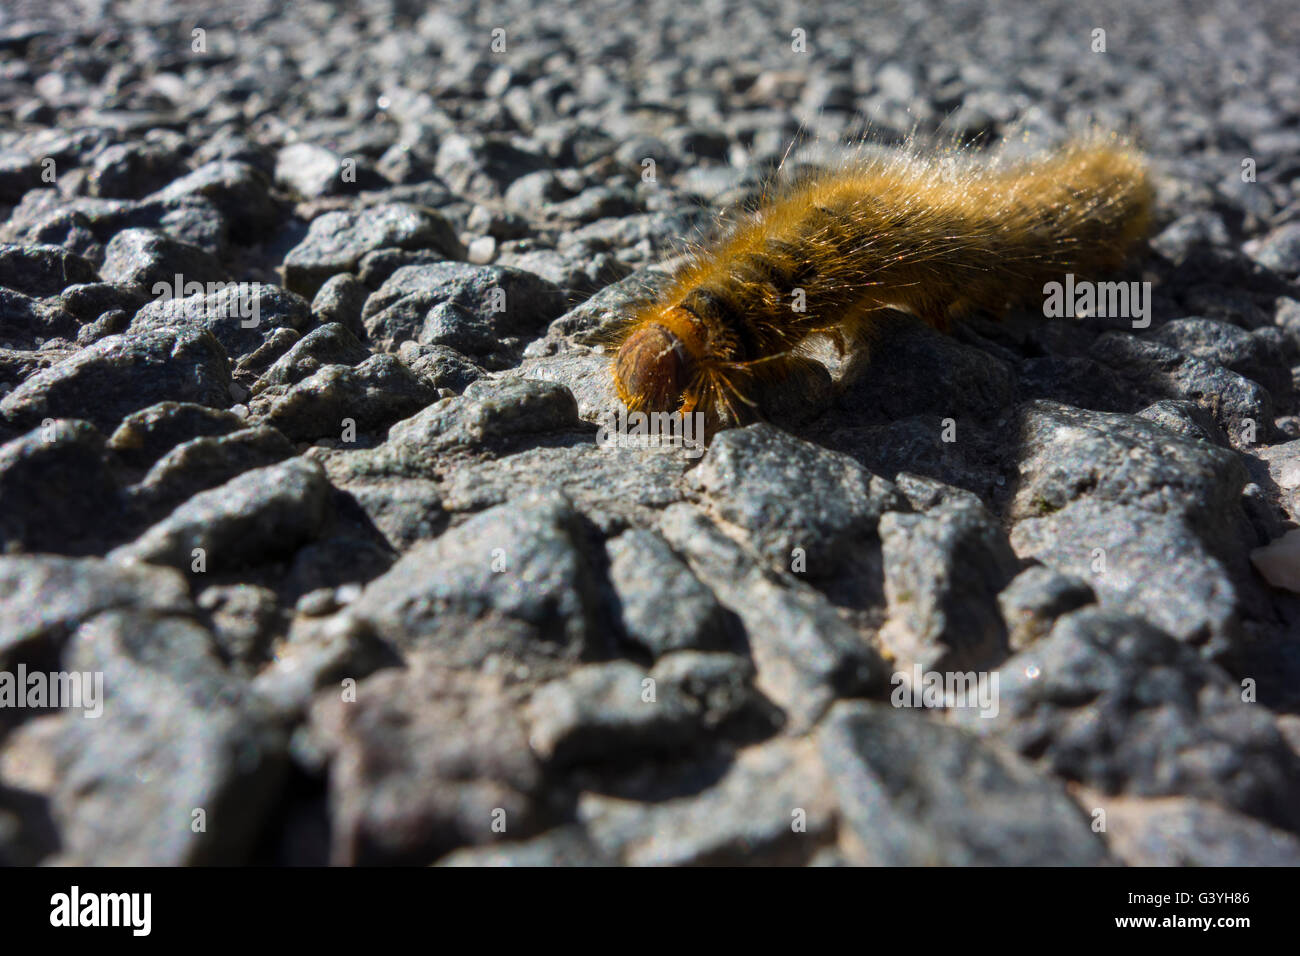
[936, 236]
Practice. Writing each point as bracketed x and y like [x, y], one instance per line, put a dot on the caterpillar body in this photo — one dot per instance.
[911, 233]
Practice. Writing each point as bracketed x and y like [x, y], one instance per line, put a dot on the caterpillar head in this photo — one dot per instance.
[653, 369]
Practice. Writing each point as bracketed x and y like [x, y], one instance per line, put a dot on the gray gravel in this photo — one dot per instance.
[301, 377]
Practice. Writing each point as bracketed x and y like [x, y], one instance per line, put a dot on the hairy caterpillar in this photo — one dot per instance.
[922, 235]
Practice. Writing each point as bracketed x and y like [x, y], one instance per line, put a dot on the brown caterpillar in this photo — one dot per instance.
[926, 236]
